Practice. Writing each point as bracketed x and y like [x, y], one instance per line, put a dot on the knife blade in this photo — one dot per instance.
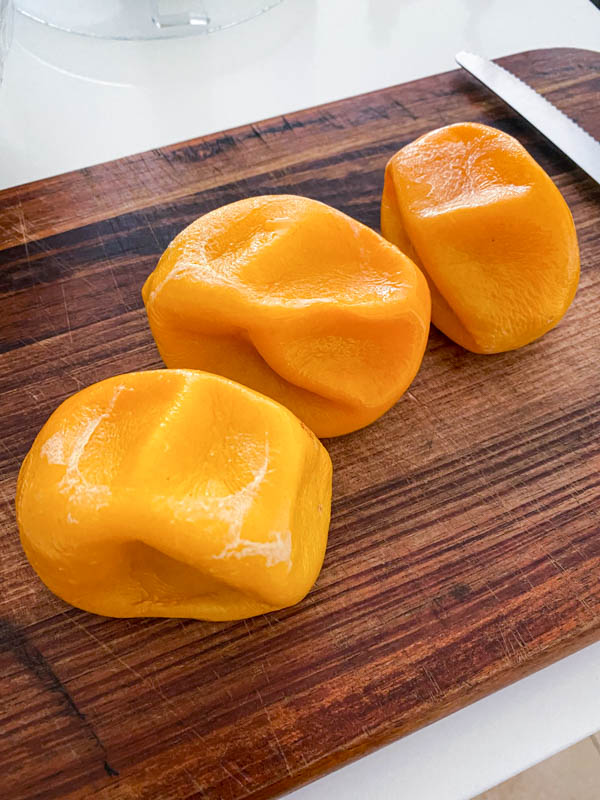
[556, 126]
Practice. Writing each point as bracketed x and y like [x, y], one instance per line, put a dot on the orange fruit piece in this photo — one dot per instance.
[175, 493]
[490, 230]
[296, 300]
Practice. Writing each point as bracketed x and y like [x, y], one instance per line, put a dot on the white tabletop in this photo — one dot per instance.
[69, 102]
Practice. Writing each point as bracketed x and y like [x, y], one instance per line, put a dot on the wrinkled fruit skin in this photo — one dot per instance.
[175, 494]
[490, 230]
[296, 300]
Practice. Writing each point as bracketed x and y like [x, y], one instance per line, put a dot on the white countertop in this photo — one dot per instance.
[69, 102]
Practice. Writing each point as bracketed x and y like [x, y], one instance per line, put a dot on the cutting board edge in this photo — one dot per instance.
[334, 761]
[26, 234]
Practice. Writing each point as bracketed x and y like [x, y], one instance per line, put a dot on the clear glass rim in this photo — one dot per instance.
[195, 30]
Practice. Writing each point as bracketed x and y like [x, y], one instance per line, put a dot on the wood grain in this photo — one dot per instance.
[464, 549]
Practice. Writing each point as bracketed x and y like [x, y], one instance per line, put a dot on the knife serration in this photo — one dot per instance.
[554, 124]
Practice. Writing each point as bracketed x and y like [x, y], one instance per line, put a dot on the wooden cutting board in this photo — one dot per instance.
[464, 550]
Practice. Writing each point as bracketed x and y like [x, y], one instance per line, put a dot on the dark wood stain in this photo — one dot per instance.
[14, 640]
[464, 549]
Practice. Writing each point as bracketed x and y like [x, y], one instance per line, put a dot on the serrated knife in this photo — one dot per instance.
[576, 143]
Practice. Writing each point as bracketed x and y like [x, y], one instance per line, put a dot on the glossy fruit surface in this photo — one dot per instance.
[296, 300]
[175, 493]
[490, 230]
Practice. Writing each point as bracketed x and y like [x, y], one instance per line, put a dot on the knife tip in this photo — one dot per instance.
[462, 55]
